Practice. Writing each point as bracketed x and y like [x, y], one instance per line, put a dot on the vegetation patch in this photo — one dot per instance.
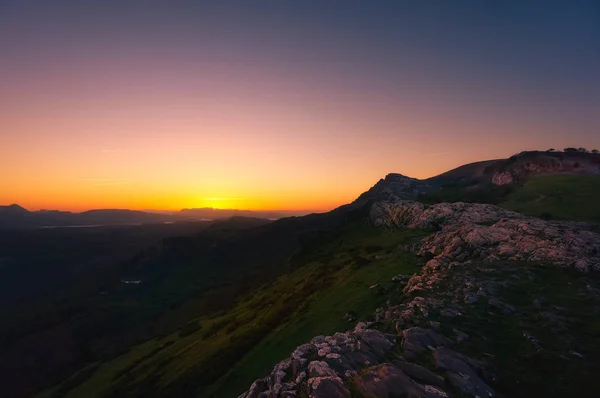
[346, 271]
[558, 197]
[547, 344]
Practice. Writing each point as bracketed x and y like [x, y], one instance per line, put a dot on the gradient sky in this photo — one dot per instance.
[280, 104]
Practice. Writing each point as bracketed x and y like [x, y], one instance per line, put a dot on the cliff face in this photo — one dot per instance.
[525, 164]
[480, 269]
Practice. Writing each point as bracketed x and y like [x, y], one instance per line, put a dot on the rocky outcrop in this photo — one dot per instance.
[419, 360]
[525, 164]
[394, 187]
[365, 360]
[471, 231]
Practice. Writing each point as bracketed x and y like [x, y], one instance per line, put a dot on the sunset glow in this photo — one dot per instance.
[200, 106]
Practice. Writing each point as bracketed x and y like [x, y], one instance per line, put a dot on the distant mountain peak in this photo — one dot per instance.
[15, 208]
[397, 177]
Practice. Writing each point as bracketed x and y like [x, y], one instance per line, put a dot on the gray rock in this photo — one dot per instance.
[461, 336]
[420, 374]
[379, 344]
[577, 354]
[450, 312]
[320, 369]
[502, 306]
[471, 298]
[460, 375]
[388, 381]
[304, 351]
[360, 359]
[536, 343]
[416, 341]
[490, 233]
[327, 387]
[256, 388]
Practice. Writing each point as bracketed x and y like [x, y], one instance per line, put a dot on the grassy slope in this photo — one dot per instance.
[559, 197]
[325, 282]
[535, 290]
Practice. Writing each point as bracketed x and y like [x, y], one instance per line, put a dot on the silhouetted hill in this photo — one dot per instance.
[213, 214]
[474, 180]
[17, 217]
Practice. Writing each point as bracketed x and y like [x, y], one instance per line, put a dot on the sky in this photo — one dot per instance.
[298, 105]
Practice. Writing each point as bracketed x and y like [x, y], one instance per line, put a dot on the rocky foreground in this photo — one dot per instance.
[474, 253]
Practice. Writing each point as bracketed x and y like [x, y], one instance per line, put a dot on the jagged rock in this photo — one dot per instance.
[420, 374]
[379, 344]
[304, 351]
[327, 387]
[256, 388]
[471, 298]
[416, 341]
[450, 312]
[502, 306]
[536, 343]
[467, 235]
[320, 369]
[460, 336]
[388, 381]
[577, 354]
[460, 373]
[488, 232]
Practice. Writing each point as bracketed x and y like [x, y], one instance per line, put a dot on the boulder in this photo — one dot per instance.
[460, 373]
[417, 341]
[388, 381]
[327, 387]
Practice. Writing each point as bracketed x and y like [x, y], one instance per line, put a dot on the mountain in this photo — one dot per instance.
[213, 214]
[486, 175]
[394, 294]
[14, 215]
[394, 186]
[17, 217]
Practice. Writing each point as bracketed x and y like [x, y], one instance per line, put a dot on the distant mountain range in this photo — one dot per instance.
[15, 216]
[394, 186]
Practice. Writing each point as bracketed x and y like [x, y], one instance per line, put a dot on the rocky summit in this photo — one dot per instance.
[483, 266]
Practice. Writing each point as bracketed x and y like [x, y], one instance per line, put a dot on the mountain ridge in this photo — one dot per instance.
[15, 216]
[230, 301]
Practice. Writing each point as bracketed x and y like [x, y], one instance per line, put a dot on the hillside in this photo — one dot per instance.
[502, 307]
[14, 217]
[206, 314]
[558, 197]
[487, 181]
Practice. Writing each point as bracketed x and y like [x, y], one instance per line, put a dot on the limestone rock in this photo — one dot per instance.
[388, 381]
[327, 387]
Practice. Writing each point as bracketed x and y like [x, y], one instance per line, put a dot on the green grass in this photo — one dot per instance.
[558, 197]
[499, 340]
[222, 354]
[323, 315]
